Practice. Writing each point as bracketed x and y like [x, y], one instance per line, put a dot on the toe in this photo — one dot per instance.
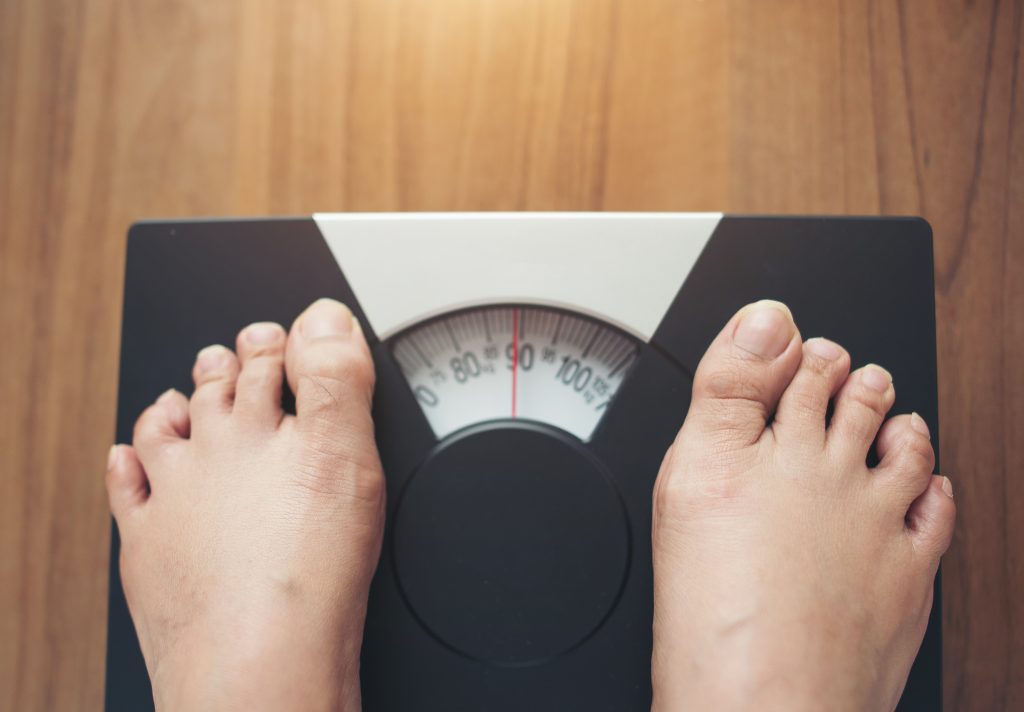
[744, 372]
[906, 457]
[931, 517]
[800, 417]
[162, 424]
[127, 486]
[860, 407]
[330, 370]
[215, 374]
[258, 390]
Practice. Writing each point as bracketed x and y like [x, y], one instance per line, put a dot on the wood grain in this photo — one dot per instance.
[114, 111]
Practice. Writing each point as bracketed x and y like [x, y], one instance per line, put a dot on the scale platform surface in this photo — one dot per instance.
[532, 369]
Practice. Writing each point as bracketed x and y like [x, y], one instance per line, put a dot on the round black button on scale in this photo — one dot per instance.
[511, 544]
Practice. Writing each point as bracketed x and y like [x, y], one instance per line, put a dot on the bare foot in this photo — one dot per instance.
[248, 536]
[788, 574]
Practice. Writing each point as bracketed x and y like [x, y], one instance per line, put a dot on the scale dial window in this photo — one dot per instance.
[536, 363]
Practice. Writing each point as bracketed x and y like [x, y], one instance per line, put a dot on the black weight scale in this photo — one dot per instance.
[531, 371]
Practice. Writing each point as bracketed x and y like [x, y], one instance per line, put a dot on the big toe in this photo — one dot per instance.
[330, 370]
[744, 373]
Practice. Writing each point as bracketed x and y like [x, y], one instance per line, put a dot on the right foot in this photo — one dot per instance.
[787, 573]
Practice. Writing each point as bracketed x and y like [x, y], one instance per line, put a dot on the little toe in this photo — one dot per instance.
[906, 457]
[744, 372]
[260, 350]
[931, 517]
[127, 486]
[166, 422]
[330, 370]
[215, 374]
[800, 417]
[860, 407]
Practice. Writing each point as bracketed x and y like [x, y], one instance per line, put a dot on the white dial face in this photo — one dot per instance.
[536, 363]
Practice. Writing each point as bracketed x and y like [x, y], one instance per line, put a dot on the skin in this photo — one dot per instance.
[786, 571]
[249, 537]
[788, 574]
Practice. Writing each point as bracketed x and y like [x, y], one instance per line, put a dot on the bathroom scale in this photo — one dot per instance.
[532, 370]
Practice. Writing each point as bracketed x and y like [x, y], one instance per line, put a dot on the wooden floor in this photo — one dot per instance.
[114, 111]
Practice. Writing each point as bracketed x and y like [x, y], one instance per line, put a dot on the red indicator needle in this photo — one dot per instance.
[515, 357]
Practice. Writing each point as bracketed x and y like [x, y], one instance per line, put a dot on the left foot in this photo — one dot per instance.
[248, 536]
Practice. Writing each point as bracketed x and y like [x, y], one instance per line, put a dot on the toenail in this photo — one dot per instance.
[165, 395]
[262, 333]
[823, 348]
[326, 317]
[765, 329]
[947, 487]
[877, 378]
[918, 424]
[112, 456]
[211, 358]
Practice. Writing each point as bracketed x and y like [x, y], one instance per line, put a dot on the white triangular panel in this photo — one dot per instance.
[623, 268]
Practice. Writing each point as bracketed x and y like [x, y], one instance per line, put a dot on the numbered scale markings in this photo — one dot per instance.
[535, 363]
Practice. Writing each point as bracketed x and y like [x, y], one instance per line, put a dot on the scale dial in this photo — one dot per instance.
[533, 363]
